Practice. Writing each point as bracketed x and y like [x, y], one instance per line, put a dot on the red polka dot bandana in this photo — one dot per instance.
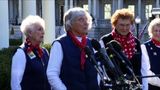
[127, 43]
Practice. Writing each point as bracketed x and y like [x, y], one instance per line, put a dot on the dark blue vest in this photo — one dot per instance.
[35, 77]
[154, 55]
[71, 74]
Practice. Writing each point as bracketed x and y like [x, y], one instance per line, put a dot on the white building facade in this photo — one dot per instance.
[14, 11]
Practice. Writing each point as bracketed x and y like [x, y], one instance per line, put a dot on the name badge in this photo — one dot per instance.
[31, 55]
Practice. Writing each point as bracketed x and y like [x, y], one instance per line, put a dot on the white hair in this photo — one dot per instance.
[153, 23]
[29, 21]
[71, 15]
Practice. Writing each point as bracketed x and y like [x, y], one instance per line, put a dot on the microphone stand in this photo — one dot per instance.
[101, 70]
[103, 75]
[121, 84]
[138, 85]
[149, 76]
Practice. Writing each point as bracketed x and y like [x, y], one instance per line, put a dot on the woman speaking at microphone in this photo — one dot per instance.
[68, 68]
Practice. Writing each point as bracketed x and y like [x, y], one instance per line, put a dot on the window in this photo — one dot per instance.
[107, 11]
[85, 6]
[131, 8]
[148, 9]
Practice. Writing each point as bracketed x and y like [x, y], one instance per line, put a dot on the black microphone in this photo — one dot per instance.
[117, 49]
[102, 53]
[90, 55]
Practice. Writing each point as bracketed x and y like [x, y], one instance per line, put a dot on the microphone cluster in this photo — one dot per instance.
[109, 69]
[105, 60]
[101, 70]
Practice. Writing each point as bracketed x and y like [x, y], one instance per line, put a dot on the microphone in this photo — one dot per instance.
[101, 72]
[105, 60]
[90, 55]
[117, 49]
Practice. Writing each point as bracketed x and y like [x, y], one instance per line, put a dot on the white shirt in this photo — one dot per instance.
[54, 66]
[17, 70]
[145, 70]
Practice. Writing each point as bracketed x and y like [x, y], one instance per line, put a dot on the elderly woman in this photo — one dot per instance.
[151, 56]
[121, 21]
[30, 61]
[68, 68]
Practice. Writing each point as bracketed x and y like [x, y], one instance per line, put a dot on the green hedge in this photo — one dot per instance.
[15, 42]
[5, 66]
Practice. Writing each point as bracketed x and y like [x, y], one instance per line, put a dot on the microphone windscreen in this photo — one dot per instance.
[95, 44]
[116, 45]
[88, 51]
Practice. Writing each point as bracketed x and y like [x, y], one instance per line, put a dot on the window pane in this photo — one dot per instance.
[131, 8]
[107, 11]
[148, 9]
[85, 6]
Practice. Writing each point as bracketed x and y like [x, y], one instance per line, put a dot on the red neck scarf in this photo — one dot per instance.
[156, 42]
[127, 43]
[81, 45]
[30, 48]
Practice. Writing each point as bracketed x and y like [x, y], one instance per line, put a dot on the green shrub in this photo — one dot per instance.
[47, 46]
[15, 42]
[5, 65]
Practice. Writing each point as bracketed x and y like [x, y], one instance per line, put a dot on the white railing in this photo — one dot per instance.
[103, 23]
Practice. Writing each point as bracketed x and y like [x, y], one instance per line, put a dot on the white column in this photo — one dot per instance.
[29, 7]
[139, 8]
[95, 8]
[101, 10]
[20, 11]
[65, 5]
[120, 4]
[71, 3]
[114, 5]
[89, 6]
[75, 3]
[4, 22]
[157, 3]
[48, 13]
[11, 9]
[95, 12]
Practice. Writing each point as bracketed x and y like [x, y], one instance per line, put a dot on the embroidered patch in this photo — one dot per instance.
[31, 55]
